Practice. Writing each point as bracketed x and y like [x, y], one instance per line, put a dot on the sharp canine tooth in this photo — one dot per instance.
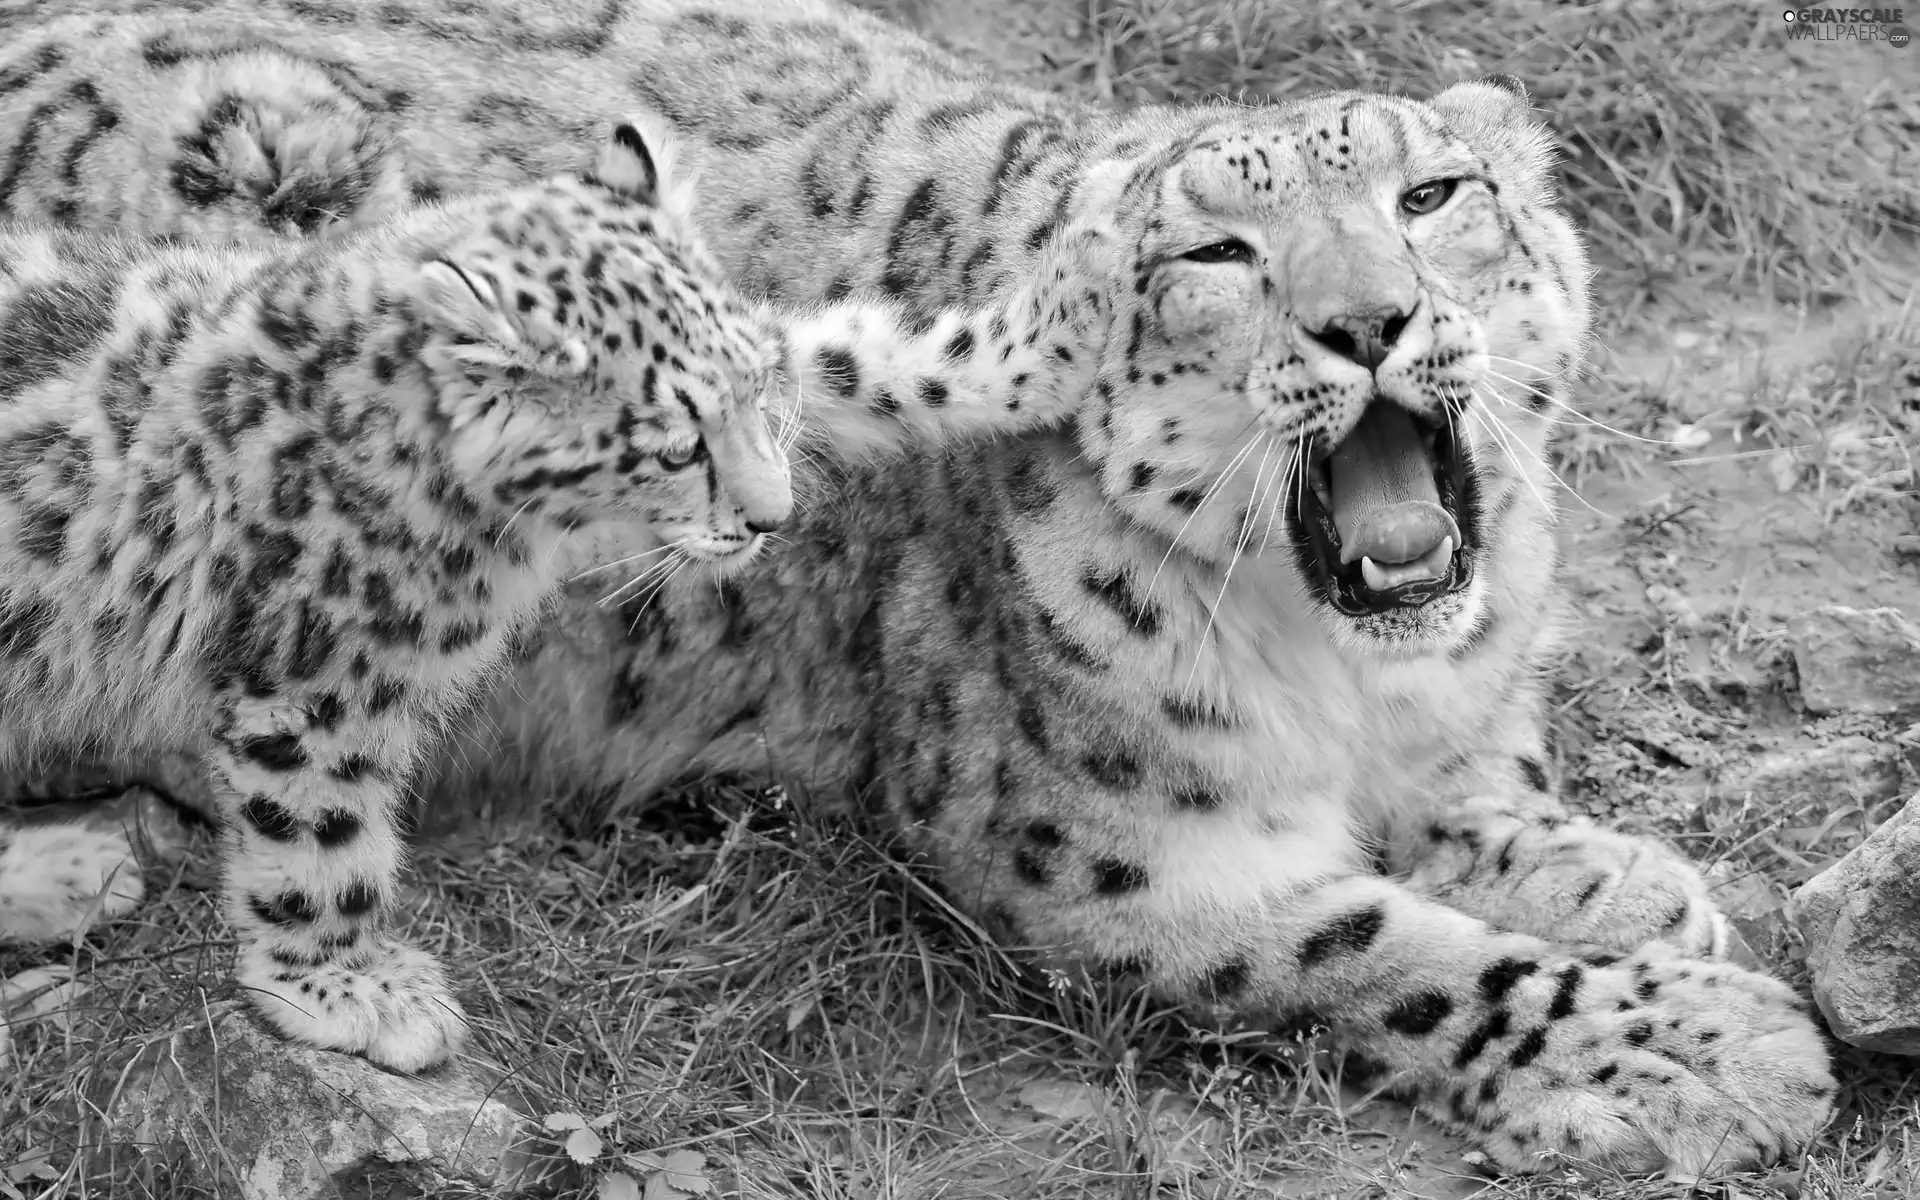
[1375, 578]
[1432, 565]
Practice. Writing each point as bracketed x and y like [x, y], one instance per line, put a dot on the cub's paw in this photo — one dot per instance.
[54, 877]
[1657, 1063]
[391, 1005]
[1572, 882]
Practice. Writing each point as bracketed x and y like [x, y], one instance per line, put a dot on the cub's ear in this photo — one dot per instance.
[640, 160]
[627, 165]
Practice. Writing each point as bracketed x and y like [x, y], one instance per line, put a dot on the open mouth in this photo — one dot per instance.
[1388, 517]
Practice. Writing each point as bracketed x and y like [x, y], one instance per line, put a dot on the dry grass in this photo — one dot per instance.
[778, 994]
[729, 975]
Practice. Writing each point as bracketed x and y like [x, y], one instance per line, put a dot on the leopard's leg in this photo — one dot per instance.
[1647, 1063]
[311, 794]
[1495, 842]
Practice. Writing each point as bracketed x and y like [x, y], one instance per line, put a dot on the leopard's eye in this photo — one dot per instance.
[1428, 197]
[1225, 250]
[680, 457]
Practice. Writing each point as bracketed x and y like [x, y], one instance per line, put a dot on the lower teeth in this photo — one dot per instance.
[1430, 566]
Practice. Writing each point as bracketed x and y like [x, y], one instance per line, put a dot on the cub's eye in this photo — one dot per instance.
[680, 457]
[1225, 250]
[1428, 197]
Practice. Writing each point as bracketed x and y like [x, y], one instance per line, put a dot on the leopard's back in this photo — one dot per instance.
[819, 129]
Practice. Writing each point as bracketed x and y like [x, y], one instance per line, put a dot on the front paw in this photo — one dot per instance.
[1573, 882]
[391, 1004]
[1657, 1063]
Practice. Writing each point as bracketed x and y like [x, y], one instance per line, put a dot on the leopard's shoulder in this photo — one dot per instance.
[294, 116]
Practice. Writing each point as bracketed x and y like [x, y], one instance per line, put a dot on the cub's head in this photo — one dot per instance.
[591, 365]
[1341, 329]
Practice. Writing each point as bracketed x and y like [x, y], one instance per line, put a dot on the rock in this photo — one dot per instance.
[270, 1120]
[1854, 660]
[1856, 767]
[1861, 920]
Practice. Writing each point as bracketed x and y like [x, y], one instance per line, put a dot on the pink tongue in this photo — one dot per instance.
[1385, 505]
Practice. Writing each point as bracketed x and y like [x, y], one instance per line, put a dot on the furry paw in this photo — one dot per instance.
[55, 878]
[392, 1005]
[1657, 1063]
[1571, 882]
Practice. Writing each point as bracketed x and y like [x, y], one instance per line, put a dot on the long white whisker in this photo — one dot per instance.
[664, 567]
[1259, 488]
[501, 536]
[1280, 492]
[792, 422]
[1571, 412]
[659, 586]
[1500, 434]
[1215, 486]
[621, 562]
[1226, 577]
[1548, 467]
[1555, 476]
[654, 592]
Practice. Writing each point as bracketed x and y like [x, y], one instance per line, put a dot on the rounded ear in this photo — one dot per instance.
[1495, 117]
[1490, 102]
[627, 165]
[640, 159]
[1508, 83]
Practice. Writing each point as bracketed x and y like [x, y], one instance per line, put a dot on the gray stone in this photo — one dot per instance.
[1854, 767]
[1861, 920]
[1857, 660]
[268, 1120]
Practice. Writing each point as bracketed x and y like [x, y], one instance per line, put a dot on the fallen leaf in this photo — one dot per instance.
[1064, 1099]
[1785, 470]
[674, 1176]
[1690, 437]
[619, 1186]
[798, 1012]
[686, 1170]
[35, 1162]
[584, 1146]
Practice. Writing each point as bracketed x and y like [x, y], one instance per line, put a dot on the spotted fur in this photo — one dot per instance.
[1093, 674]
[292, 504]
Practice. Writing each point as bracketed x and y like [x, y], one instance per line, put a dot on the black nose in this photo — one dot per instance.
[1364, 337]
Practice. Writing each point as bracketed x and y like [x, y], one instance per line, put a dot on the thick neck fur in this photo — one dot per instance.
[1241, 638]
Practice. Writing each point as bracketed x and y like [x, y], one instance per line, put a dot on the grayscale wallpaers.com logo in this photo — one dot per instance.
[1849, 25]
